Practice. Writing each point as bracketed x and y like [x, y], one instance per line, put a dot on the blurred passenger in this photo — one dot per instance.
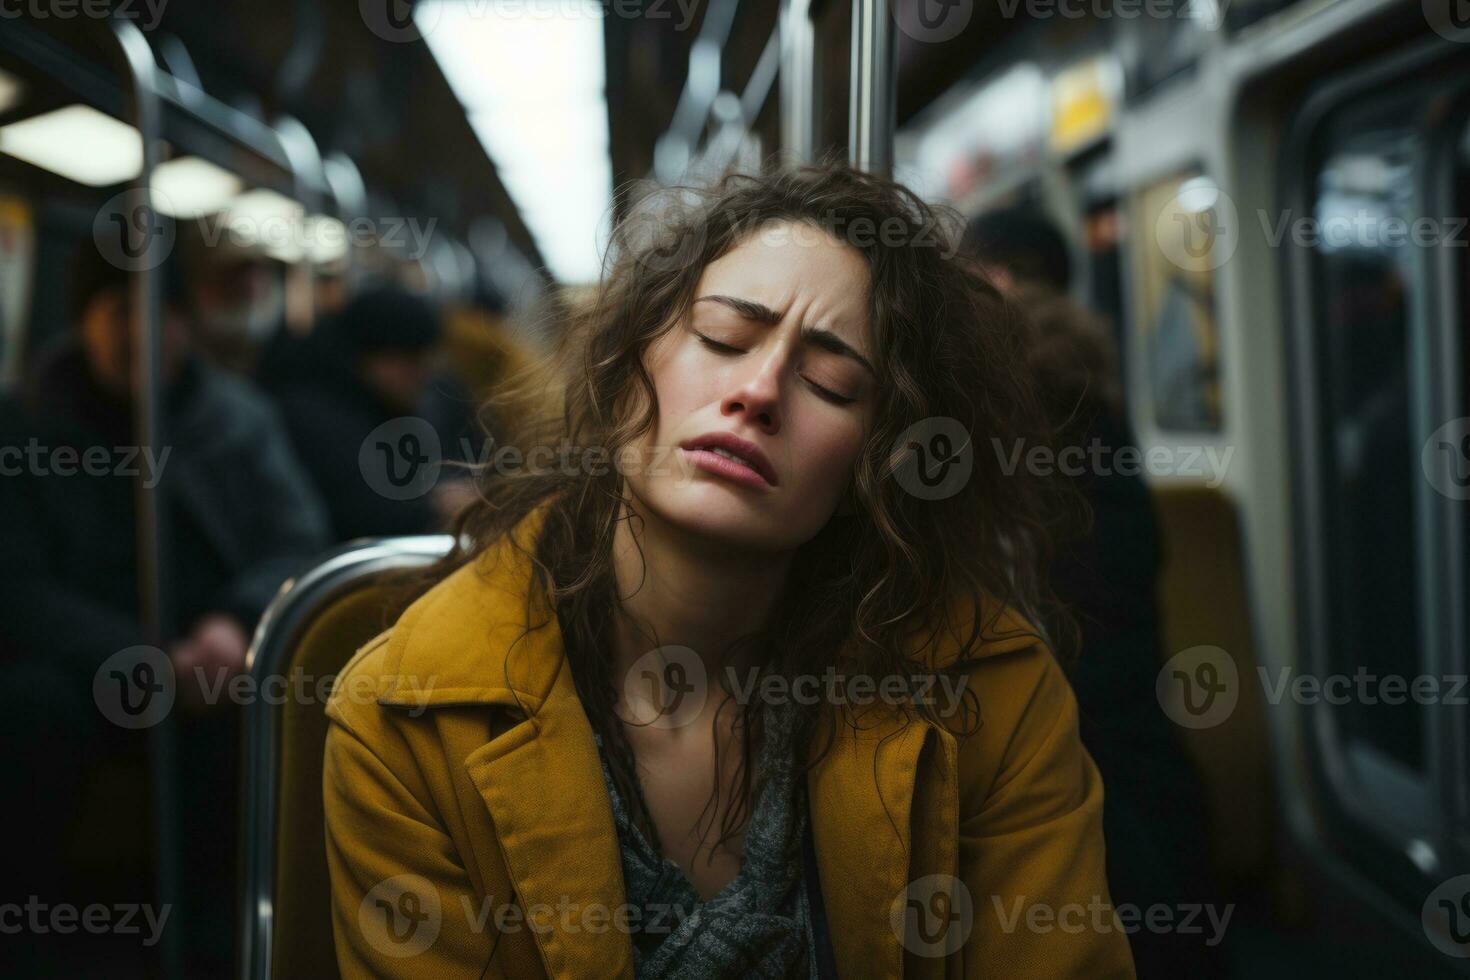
[1019, 245]
[371, 366]
[238, 517]
[1106, 572]
[239, 303]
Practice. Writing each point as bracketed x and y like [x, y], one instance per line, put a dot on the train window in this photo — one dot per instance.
[1160, 48]
[1377, 258]
[1366, 297]
[1176, 293]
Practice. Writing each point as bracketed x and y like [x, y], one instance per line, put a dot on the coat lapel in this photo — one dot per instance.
[862, 794]
[542, 783]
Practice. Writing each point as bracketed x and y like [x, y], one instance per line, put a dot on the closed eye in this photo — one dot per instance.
[830, 395]
[718, 347]
[727, 351]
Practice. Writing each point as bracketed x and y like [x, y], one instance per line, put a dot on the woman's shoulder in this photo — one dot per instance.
[1016, 685]
[452, 645]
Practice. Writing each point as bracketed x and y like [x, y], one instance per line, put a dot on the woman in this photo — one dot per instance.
[747, 689]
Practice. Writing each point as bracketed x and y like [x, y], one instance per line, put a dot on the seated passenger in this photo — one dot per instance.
[238, 517]
[1106, 573]
[372, 377]
[751, 689]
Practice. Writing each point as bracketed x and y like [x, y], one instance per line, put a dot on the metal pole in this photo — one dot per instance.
[870, 114]
[306, 163]
[147, 358]
[797, 104]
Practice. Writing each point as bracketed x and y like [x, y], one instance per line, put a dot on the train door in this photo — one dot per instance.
[1379, 168]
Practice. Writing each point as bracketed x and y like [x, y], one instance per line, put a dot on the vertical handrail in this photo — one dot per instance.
[872, 88]
[304, 156]
[147, 342]
[796, 78]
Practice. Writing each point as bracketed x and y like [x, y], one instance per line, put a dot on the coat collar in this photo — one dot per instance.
[466, 642]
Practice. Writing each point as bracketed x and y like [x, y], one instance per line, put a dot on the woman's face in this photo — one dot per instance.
[776, 352]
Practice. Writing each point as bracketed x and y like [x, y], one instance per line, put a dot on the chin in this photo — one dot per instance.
[729, 514]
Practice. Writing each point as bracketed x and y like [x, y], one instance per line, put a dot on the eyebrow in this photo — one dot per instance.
[818, 336]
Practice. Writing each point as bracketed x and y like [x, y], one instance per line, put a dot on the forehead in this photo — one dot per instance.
[785, 264]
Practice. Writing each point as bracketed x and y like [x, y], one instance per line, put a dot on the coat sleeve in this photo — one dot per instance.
[402, 902]
[1031, 842]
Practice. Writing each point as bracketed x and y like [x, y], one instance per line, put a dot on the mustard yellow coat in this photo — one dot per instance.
[469, 832]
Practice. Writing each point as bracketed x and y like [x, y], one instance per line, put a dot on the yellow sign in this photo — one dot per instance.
[1082, 104]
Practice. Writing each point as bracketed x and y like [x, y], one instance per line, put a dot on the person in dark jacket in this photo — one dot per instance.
[373, 421]
[1105, 571]
[238, 516]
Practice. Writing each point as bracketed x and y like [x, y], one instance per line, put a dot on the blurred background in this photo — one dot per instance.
[260, 265]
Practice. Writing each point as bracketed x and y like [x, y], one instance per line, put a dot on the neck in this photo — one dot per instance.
[677, 588]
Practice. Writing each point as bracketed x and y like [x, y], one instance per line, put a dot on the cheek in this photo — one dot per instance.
[683, 383]
[826, 457]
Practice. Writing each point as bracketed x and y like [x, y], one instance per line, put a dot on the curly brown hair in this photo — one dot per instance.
[872, 586]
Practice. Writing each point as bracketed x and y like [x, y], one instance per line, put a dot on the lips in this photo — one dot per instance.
[747, 452]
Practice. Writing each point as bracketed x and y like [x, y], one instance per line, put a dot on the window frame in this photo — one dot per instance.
[1404, 856]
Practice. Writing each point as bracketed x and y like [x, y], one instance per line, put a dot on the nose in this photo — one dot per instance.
[756, 396]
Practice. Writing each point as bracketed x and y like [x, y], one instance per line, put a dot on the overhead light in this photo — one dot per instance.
[77, 142]
[262, 219]
[190, 187]
[549, 142]
[325, 239]
[10, 91]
